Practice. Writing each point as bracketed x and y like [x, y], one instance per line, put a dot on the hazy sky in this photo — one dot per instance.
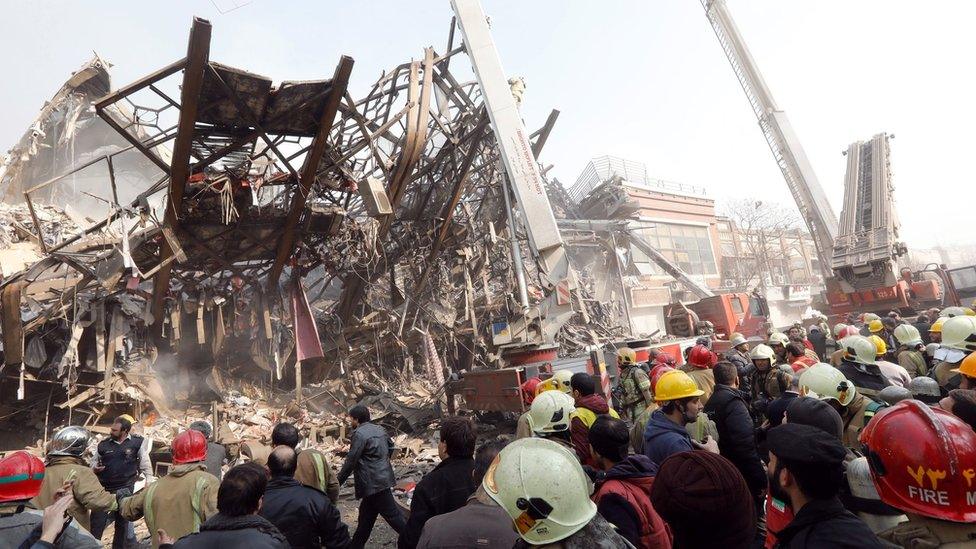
[642, 79]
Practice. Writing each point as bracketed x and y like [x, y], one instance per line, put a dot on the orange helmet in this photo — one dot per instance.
[189, 446]
[923, 460]
[21, 475]
[701, 357]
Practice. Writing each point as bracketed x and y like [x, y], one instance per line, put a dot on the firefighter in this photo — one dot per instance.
[182, 500]
[528, 387]
[921, 461]
[967, 372]
[21, 475]
[738, 355]
[634, 385]
[860, 365]
[551, 415]
[764, 387]
[958, 340]
[699, 368]
[824, 382]
[66, 464]
[559, 382]
[911, 350]
[544, 490]
[935, 331]
[777, 342]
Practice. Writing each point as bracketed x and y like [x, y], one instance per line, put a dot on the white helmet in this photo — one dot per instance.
[859, 349]
[551, 412]
[953, 312]
[737, 339]
[762, 352]
[824, 382]
[959, 332]
[839, 329]
[906, 334]
[778, 338]
[542, 487]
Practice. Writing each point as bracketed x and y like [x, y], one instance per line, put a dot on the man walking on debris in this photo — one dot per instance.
[369, 461]
[449, 485]
[304, 515]
[118, 462]
[179, 502]
[313, 467]
[634, 385]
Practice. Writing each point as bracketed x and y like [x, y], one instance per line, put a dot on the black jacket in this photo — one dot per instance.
[369, 459]
[736, 437]
[250, 531]
[442, 490]
[777, 408]
[304, 515]
[825, 523]
[864, 376]
[819, 341]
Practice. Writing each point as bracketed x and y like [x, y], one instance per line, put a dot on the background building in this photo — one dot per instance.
[682, 223]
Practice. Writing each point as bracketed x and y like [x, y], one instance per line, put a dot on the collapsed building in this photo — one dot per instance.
[204, 235]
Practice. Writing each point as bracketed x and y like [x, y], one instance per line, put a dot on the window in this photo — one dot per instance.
[687, 246]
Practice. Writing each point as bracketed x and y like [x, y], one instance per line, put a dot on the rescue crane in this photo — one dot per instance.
[858, 258]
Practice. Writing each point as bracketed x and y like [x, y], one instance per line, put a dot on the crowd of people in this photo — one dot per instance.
[859, 435]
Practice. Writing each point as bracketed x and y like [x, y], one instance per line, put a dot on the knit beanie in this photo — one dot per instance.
[816, 413]
[705, 500]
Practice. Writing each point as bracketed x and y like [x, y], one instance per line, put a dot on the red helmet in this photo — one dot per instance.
[701, 357]
[528, 389]
[657, 372]
[923, 460]
[664, 358]
[21, 475]
[189, 446]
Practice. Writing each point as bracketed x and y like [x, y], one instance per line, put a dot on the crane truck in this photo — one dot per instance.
[858, 252]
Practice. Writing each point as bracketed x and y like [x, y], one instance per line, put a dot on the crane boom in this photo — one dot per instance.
[523, 177]
[776, 128]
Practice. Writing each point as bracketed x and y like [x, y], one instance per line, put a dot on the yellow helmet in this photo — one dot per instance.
[875, 326]
[675, 385]
[968, 311]
[936, 326]
[967, 367]
[879, 345]
[558, 382]
[626, 355]
[128, 418]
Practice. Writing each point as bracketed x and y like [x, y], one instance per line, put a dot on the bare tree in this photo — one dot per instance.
[759, 256]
